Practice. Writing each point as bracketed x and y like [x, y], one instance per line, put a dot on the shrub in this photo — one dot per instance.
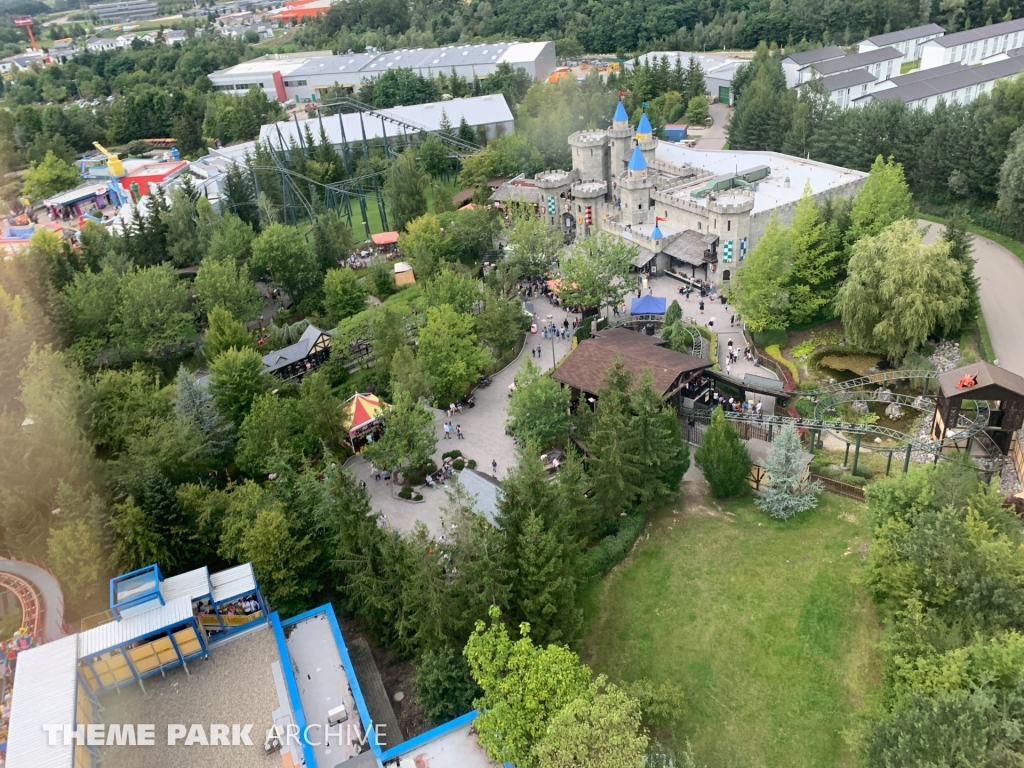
[451, 454]
[409, 494]
[764, 339]
[444, 686]
[607, 553]
[471, 463]
[419, 475]
[458, 465]
[723, 458]
[775, 353]
[805, 408]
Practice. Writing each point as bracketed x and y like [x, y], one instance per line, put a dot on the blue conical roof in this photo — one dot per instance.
[620, 114]
[644, 129]
[637, 162]
[656, 233]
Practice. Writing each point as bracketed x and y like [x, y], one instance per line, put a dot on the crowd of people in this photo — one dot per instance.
[22, 640]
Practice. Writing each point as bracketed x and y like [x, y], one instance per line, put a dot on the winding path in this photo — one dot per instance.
[1001, 285]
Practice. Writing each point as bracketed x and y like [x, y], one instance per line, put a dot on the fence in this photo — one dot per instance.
[507, 358]
[1017, 456]
[840, 488]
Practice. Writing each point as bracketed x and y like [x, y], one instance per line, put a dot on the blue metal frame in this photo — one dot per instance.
[423, 738]
[293, 688]
[226, 631]
[115, 607]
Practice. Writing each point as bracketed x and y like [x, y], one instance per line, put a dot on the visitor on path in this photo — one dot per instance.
[711, 322]
[494, 467]
[458, 431]
[728, 369]
[447, 431]
[702, 307]
[732, 320]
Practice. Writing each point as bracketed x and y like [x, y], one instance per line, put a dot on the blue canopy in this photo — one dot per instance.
[648, 305]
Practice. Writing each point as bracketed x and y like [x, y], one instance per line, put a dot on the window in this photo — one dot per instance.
[698, 226]
[728, 225]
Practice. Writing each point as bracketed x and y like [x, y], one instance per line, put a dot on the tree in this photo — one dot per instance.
[137, 540]
[224, 333]
[723, 458]
[279, 559]
[815, 262]
[344, 295]
[594, 273]
[401, 87]
[89, 304]
[48, 177]
[194, 403]
[538, 411]
[221, 283]
[333, 240]
[760, 295]
[153, 311]
[444, 687]
[788, 492]
[455, 288]
[656, 427]
[449, 353]
[600, 729]
[961, 248]
[882, 200]
[694, 80]
[236, 378]
[434, 157]
[532, 249]
[73, 553]
[183, 244]
[763, 113]
[408, 375]
[502, 321]
[617, 468]
[1011, 176]
[698, 110]
[899, 291]
[673, 314]
[405, 190]
[272, 428]
[230, 240]
[282, 252]
[409, 437]
[524, 687]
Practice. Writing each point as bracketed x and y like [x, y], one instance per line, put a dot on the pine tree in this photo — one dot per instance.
[223, 334]
[544, 590]
[723, 458]
[617, 466]
[695, 83]
[788, 492]
[193, 403]
[961, 243]
[665, 456]
[673, 314]
[884, 199]
[814, 262]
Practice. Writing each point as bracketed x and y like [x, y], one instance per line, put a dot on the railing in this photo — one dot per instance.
[701, 346]
[839, 488]
[507, 358]
[1017, 456]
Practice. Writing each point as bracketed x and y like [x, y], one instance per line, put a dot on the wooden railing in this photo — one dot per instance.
[840, 488]
[1017, 456]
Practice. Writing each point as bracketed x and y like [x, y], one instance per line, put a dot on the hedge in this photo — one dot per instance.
[451, 454]
[409, 494]
[608, 552]
[458, 465]
[764, 339]
[776, 354]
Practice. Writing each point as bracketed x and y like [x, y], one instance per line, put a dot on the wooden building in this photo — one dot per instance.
[296, 360]
[677, 377]
[1002, 389]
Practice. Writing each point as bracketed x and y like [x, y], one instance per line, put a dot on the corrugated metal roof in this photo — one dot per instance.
[818, 54]
[233, 582]
[194, 584]
[45, 686]
[857, 60]
[847, 79]
[115, 633]
[905, 34]
[981, 33]
[477, 110]
[964, 78]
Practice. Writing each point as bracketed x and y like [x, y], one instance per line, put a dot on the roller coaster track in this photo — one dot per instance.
[39, 593]
[854, 390]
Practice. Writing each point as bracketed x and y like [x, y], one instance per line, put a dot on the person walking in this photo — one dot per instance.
[728, 369]
[447, 431]
[458, 432]
[702, 306]
[494, 467]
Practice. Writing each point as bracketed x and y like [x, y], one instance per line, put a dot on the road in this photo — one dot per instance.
[715, 136]
[1001, 285]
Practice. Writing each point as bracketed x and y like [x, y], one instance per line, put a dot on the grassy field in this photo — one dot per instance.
[759, 622]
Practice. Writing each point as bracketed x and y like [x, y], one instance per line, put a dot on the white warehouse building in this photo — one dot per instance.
[305, 76]
[973, 45]
[908, 42]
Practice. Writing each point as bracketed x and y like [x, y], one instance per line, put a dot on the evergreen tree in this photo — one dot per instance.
[788, 491]
[224, 333]
[883, 199]
[961, 249]
[617, 467]
[333, 240]
[673, 314]
[183, 245]
[405, 190]
[344, 295]
[656, 427]
[723, 458]
[194, 404]
[695, 84]
[814, 265]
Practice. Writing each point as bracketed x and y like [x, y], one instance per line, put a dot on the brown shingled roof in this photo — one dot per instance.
[586, 366]
[988, 376]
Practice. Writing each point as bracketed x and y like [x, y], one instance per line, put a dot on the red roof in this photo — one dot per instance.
[360, 410]
[385, 238]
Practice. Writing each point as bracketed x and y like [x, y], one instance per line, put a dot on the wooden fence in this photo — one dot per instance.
[1017, 456]
[840, 488]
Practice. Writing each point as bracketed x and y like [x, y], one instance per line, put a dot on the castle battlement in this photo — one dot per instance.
[591, 138]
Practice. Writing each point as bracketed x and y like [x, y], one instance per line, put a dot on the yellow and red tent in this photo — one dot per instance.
[360, 412]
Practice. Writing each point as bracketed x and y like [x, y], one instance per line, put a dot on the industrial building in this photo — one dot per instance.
[908, 42]
[973, 45]
[490, 113]
[691, 213]
[305, 76]
[199, 664]
[718, 70]
[130, 10]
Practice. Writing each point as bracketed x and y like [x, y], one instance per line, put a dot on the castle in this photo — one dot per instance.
[691, 213]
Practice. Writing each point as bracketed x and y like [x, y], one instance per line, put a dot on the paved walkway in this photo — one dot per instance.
[484, 429]
[1001, 286]
[715, 137]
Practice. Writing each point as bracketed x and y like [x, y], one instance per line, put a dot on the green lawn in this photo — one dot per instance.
[759, 622]
[909, 66]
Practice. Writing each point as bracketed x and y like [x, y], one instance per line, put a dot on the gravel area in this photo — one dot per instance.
[234, 685]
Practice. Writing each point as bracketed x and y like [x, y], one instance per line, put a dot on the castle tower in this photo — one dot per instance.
[645, 138]
[620, 137]
[589, 155]
[635, 189]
